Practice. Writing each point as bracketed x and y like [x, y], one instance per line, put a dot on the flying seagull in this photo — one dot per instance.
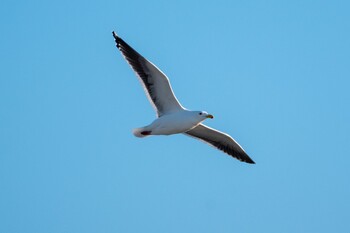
[172, 118]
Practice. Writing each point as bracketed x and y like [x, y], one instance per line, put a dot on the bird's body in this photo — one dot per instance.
[173, 123]
[172, 118]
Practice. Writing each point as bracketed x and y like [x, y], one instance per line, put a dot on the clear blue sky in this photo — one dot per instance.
[275, 74]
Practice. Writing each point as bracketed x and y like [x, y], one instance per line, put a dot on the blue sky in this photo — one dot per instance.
[275, 74]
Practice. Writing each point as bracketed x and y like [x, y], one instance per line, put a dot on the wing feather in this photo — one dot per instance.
[155, 83]
[219, 140]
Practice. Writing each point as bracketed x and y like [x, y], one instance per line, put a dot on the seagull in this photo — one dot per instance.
[172, 117]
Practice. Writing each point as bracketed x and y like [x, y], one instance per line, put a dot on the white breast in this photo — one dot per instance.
[178, 122]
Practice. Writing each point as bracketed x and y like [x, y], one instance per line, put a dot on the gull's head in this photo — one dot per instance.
[204, 115]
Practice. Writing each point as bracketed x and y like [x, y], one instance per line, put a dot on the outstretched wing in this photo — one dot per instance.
[155, 83]
[219, 140]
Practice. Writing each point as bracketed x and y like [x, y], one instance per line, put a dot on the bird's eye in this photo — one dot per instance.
[200, 113]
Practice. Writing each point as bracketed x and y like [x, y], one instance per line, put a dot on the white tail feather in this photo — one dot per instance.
[137, 132]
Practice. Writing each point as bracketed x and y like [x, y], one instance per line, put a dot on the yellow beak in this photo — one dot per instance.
[210, 116]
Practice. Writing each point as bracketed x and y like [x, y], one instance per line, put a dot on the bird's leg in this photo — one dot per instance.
[146, 133]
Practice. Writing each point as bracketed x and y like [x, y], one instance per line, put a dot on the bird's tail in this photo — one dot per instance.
[141, 132]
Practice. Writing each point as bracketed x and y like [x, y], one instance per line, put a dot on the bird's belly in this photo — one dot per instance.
[168, 127]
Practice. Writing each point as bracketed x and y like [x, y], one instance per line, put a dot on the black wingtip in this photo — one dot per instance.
[247, 159]
[250, 161]
[117, 39]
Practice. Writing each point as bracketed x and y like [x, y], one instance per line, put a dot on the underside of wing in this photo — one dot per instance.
[153, 80]
[220, 141]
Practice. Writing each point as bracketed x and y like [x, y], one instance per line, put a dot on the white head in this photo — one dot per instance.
[202, 115]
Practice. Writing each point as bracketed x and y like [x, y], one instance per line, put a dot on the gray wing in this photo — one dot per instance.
[219, 140]
[155, 83]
